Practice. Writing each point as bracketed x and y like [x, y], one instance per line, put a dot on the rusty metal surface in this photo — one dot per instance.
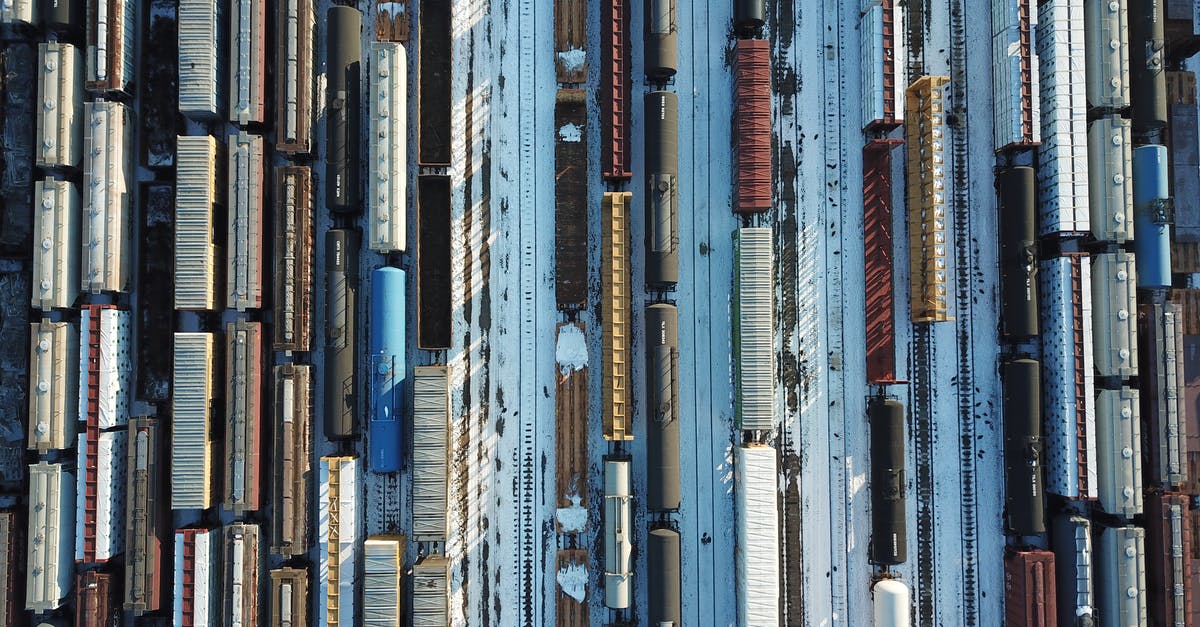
[752, 126]
[879, 253]
[570, 200]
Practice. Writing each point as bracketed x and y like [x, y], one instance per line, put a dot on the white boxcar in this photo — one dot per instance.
[383, 564]
[197, 577]
[49, 569]
[247, 62]
[431, 592]
[388, 147]
[338, 514]
[618, 534]
[111, 43]
[107, 194]
[60, 116]
[202, 50]
[1016, 115]
[756, 558]
[191, 412]
[245, 236]
[1068, 382]
[1073, 564]
[243, 562]
[431, 452]
[100, 497]
[1107, 35]
[1110, 179]
[1062, 156]
[197, 194]
[56, 244]
[53, 385]
[753, 329]
[883, 25]
[105, 358]
[1121, 576]
[18, 11]
[1114, 314]
[1119, 452]
[294, 74]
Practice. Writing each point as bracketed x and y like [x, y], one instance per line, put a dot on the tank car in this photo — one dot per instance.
[662, 58]
[1023, 447]
[662, 188]
[1018, 252]
[891, 603]
[387, 368]
[662, 392]
[1151, 220]
[618, 550]
[344, 56]
[341, 296]
[889, 543]
[749, 15]
[1147, 80]
[663, 581]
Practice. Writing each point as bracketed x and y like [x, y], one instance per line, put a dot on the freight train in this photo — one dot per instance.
[661, 56]
[1018, 252]
[1024, 497]
[387, 369]
[343, 61]
[292, 470]
[341, 301]
[889, 539]
[294, 77]
[293, 258]
[662, 189]
[662, 401]
[147, 518]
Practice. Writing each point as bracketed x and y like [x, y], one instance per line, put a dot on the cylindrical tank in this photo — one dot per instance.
[618, 534]
[662, 188]
[387, 369]
[749, 15]
[662, 557]
[64, 17]
[889, 530]
[341, 298]
[1147, 80]
[662, 395]
[1018, 252]
[891, 604]
[1023, 447]
[1151, 227]
[343, 60]
[662, 58]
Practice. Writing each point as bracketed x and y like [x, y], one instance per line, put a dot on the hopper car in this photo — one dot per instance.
[435, 74]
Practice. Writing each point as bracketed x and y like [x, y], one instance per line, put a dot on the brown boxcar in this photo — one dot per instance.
[292, 466]
[110, 64]
[12, 588]
[95, 599]
[433, 262]
[616, 313]
[289, 597]
[1168, 558]
[1160, 333]
[433, 103]
[615, 103]
[293, 76]
[570, 434]
[243, 411]
[570, 199]
[570, 611]
[392, 21]
[1029, 589]
[751, 125]
[242, 562]
[878, 254]
[146, 516]
[570, 41]
[293, 258]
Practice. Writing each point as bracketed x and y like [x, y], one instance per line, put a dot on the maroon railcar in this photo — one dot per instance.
[751, 126]
[878, 253]
[1169, 558]
[243, 411]
[614, 90]
[147, 518]
[1160, 333]
[12, 588]
[1029, 589]
[570, 199]
[95, 599]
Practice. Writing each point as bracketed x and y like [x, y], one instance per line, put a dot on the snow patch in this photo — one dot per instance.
[572, 518]
[571, 351]
[570, 133]
[572, 60]
[573, 580]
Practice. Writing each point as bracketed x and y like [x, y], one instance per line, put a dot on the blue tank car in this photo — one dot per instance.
[1151, 228]
[388, 369]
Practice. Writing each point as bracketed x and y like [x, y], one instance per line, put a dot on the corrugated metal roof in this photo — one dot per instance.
[191, 439]
[106, 476]
[431, 407]
[53, 382]
[430, 582]
[60, 116]
[107, 178]
[754, 336]
[201, 58]
[383, 562]
[1062, 156]
[56, 231]
[49, 567]
[245, 239]
[197, 577]
[196, 193]
[388, 148]
[757, 550]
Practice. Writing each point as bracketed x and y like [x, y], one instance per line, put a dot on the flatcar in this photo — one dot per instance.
[1152, 238]
[615, 87]
[1062, 155]
[198, 197]
[1023, 447]
[756, 556]
[96, 599]
[202, 57]
[341, 304]
[618, 550]
[387, 198]
[1029, 589]
[890, 603]
[752, 126]
[749, 15]
[930, 258]
[339, 554]
[100, 515]
[1147, 66]
[1108, 54]
[243, 411]
[60, 118]
[662, 403]
[1119, 452]
[293, 277]
[753, 330]
[889, 531]
[1121, 591]
[661, 56]
[243, 562]
[344, 48]
[112, 32]
[1110, 179]
[49, 568]
[615, 295]
[663, 581]
[53, 385]
[662, 189]
[56, 251]
[108, 193]
[193, 390]
[147, 518]
[1018, 252]
[388, 371]
[292, 475]
[1169, 558]
[382, 589]
[294, 28]
[289, 597]
[1074, 562]
[431, 453]
[64, 17]
[199, 566]
[1161, 356]
[1015, 89]
[1114, 316]
[247, 61]
[244, 270]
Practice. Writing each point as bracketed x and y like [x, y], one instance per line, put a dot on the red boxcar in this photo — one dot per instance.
[95, 599]
[1029, 589]
[878, 253]
[1169, 558]
[751, 126]
[614, 90]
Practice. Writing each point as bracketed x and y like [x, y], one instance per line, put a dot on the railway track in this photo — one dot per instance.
[922, 428]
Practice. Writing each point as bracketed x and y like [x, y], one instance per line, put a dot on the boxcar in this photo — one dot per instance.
[1169, 558]
[570, 197]
[100, 486]
[192, 398]
[663, 581]
[60, 118]
[1147, 65]
[199, 197]
[1110, 179]
[928, 237]
[753, 330]
[1121, 576]
[199, 566]
[247, 62]
[202, 50]
[431, 452]
[49, 569]
[341, 307]
[661, 60]
[431, 592]
[1024, 502]
[662, 189]
[243, 411]
[243, 559]
[1114, 316]
[387, 198]
[106, 376]
[1062, 155]
[245, 234]
[618, 547]
[878, 254]
[756, 557]
[294, 28]
[751, 125]
[1016, 115]
[289, 597]
[338, 513]
[293, 258]
[882, 25]
[291, 458]
[889, 531]
[1119, 452]
[571, 430]
[1152, 218]
[388, 370]
[56, 214]
[662, 407]
[53, 385]
[615, 311]
[615, 86]
[1073, 563]
[570, 41]
[96, 599]
[1029, 592]
[108, 185]
[112, 45]
[382, 590]
[342, 71]
[1183, 140]
[1018, 252]
[434, 80]
[433, 262]
[1108, 53]
[147, 518]
[1160, 331]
